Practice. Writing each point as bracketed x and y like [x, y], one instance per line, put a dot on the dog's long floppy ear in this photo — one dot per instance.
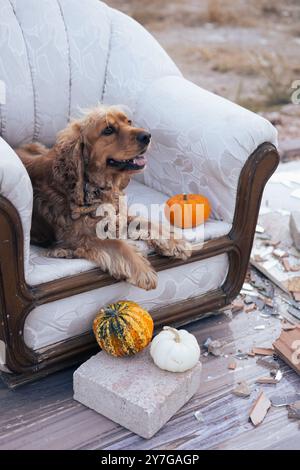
[68, 169]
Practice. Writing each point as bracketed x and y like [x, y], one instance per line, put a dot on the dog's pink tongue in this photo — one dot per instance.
[140, 161]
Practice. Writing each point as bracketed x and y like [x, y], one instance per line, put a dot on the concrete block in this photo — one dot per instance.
[295, 228]
[133, 391]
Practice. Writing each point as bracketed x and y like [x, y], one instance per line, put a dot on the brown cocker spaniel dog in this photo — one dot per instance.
[90, 164]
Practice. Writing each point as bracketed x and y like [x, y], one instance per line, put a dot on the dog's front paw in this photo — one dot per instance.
[173, 248]
[144, 280]
[144, 277]
[181, 249]
[60, 253]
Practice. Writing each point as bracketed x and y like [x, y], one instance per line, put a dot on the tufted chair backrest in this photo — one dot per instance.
[57, 56]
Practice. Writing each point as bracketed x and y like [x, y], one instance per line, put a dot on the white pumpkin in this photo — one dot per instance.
[175, 350]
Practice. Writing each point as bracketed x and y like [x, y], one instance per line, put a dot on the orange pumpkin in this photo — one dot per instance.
[123, 328]
[187, 210]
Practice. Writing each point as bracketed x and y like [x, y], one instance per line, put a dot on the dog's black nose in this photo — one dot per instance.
[143, 137]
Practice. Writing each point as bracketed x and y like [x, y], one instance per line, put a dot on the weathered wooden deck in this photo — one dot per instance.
[43, 415]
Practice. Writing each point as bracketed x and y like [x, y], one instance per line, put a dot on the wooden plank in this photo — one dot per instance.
[43, 415]
[287, 346]
[259, 409]
[263, 351]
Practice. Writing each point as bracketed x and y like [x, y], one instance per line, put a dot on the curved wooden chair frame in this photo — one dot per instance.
[17, 298]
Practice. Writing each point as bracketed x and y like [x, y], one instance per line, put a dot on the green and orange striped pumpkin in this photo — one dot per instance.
[123, 328]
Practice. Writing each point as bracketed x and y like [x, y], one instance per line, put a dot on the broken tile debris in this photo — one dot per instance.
[266, 380]
[295, 267]
[250, 308]
[287, 346]
[280, 260]
[214, 347]
[248, 293]
[232, 365]
[241, 355]
[228, 314]
[269, 362]
[296, 296]
[242, 390]
[248, 299]
[263, 236]
[292, 302]
[259, 229]
[275, 377]
[263, 351]
[287, 325]
[295, 228]
[268, 311]
[247, 287]
[268, 302]
[294, 311]
[199, 416]
[284, 399]
[294, 410]
[280, 253]
[286, 264]
[260, 327]
[259, 409]
[207, 342]
[237, 305]
[271, 270]
[278, 375]
[277, 262]
[293, 284]
[260, 305]
[261, 284]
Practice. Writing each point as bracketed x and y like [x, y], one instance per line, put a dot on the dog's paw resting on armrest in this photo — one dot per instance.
[173, 248]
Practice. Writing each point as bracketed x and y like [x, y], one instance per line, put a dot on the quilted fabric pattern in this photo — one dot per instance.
[53, 57]
[58, 56]
[15, 185]
[135, 60]
[201, 141]
[56, 321]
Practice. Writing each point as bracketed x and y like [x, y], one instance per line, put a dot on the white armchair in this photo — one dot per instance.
[57, 57]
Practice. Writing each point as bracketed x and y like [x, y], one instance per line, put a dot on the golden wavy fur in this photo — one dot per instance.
[90, 164]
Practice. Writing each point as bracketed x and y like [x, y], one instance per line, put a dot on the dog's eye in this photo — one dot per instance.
[108, 130]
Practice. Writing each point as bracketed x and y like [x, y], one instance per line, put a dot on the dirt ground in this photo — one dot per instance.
[245, 50]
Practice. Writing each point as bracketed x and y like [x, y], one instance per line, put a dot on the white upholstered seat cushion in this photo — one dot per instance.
[43, 269]
[57, 321]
